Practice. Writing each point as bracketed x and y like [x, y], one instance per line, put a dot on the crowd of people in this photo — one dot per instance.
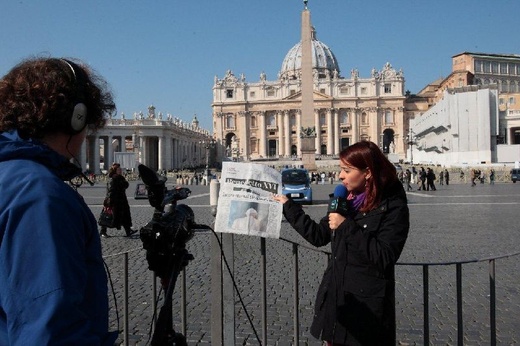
[426, 178]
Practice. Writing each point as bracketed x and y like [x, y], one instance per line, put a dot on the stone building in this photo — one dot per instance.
[262, 119]
[470, 71]
[161, 144]
[461, 128]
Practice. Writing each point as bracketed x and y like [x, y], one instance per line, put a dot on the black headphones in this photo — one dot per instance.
[78, 119]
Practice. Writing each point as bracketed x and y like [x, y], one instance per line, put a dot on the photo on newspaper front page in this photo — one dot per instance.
[245, 205]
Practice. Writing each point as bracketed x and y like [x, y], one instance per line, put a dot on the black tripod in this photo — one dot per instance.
[164, 334]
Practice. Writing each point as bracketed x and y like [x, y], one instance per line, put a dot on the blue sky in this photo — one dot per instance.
[166, 53]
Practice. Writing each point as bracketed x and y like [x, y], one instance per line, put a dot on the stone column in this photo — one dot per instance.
[245, 120]
[287, 130]
[317, 140]
[175, 154]
[280, 124]
[337, 135]
[375, 122]
[168, 155]
[109, 150]
[298, 129]
[263, 136]
[144, 149]
[96, 148]
[161, 154]
[355, 114]
[330, 133]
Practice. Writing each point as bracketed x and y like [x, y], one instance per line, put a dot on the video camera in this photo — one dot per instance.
[171, 227]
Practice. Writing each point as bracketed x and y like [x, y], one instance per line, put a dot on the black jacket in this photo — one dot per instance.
[116, 193]
[355, 304]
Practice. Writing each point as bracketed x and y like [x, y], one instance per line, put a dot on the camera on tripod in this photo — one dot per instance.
[164, 238]
[171, 226]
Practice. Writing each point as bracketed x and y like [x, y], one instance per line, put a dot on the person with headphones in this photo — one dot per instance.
[53, 285]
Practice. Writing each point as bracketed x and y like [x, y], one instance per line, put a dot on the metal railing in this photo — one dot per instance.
[460, 320]
[296, 300]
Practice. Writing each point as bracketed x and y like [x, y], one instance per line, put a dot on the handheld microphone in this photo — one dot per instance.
[338, 202]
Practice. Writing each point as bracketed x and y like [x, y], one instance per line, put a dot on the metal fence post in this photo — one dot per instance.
[296, 296]
[216, 293]
[460, 324]
[264, 290]
[426, 309]
[217, 321]
[126, 312]
[492, 303]
[228, 290]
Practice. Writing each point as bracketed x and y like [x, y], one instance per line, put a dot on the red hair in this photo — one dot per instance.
[363, 155]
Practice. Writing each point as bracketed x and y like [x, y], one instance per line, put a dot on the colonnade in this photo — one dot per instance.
[157, 144]
[333, 132]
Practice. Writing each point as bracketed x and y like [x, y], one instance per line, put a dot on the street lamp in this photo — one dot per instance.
[208, 145]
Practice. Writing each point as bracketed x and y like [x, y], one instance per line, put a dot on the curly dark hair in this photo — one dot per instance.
[38, 96]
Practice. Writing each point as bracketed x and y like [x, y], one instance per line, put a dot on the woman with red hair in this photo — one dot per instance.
[355, 304]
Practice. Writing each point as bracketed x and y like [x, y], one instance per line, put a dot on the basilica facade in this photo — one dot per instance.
[262, 119]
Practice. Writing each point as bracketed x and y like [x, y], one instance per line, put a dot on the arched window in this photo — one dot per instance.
[253, 121]
[388, 141]
[292, 120]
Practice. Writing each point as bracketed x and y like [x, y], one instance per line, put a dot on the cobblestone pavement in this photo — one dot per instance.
[454, 223]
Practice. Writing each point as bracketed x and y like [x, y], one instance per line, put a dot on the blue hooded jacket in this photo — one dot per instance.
[53, 285]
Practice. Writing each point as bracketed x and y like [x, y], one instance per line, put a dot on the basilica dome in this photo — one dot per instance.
[323, 60]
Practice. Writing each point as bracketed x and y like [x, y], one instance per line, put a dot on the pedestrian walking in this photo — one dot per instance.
[117, 200]
[430, 180]
[422, 179]
[441, 177]
[407, 179]
[473, 176]
[492, 177]
[447, 177]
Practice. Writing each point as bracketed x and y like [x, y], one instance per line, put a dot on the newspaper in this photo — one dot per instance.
[245, 205]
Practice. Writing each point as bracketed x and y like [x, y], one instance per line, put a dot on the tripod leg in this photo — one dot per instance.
[164, 334]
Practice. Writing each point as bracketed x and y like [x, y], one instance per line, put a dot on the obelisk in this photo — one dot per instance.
[308, 127]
